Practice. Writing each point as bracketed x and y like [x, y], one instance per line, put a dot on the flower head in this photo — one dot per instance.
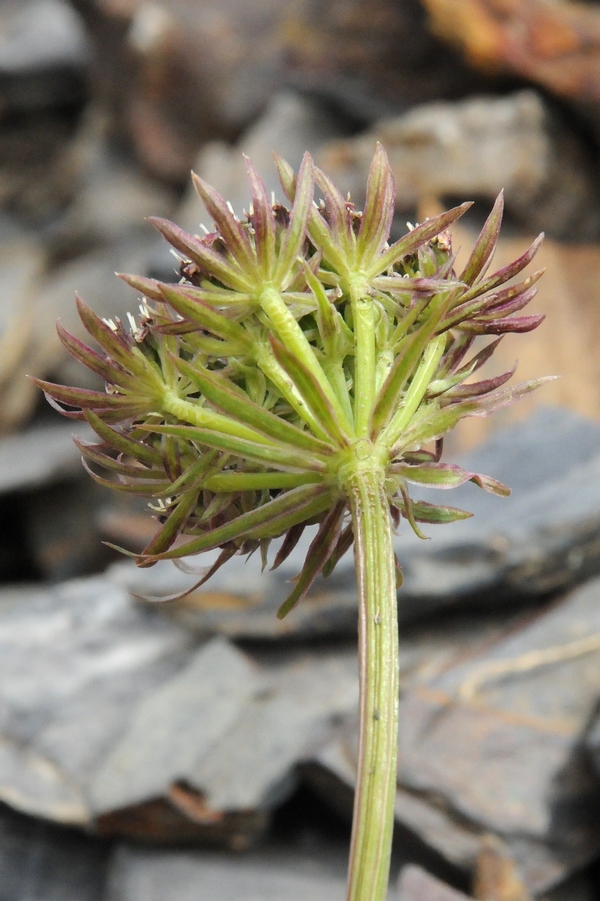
[297, 347]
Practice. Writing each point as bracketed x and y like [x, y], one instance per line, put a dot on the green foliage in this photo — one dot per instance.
[302, 372]
[291, 336]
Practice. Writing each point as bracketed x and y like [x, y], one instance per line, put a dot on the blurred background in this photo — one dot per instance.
[201, 749]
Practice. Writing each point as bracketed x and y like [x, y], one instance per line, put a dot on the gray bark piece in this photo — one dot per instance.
[478, 147]
[254, 766]
[521, 709]
[41, 35]
[44, 54]
[416, 884]
[241, 601]
[579, 888]
[543, 538]
[92, 276]
[113, 197]
[270, 875]
[176, 726]
[40, 456]
[593, 742]
[21, 262]
[61, 523]
[108, 708]
[43, 862]
[290, 126]
[74, 662]
[332, 774]
[494, 742]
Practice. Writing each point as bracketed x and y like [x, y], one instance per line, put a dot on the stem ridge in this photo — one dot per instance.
[373, 818]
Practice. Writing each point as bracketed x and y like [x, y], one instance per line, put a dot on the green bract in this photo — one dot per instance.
[304, 372]
[296, 341]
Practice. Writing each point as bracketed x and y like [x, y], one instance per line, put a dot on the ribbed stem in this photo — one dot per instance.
[198, 415]
[372, 828]
[290, 332]
[363, 314]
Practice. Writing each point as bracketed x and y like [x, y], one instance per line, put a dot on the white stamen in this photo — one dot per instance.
[161, 505]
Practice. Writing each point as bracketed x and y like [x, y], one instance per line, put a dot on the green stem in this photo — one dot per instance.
[290, 332]
[256, 481]
[195, 414]
[373, 821]
[271, 368]
[334, 370]
[363, 316]
[417, 390]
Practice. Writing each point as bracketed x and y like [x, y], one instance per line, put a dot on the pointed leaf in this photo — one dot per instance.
[125, 353]
[455, 354]
[505, 302]
[506, 273]
[343, 545]
[440, 385]
[318, 229]
[189, 304]
[437, 424]
[485, 245]
[292, 537]
[149, 287]
[379, 207]
[475, 389]
[262, 219]
[318, 553]
[296, 232]
[508, 306]
[87, 398]
[413, 240]
[311, 391]
[516, 324]
[209, 259]
[280, 457]
[436, 514]
[173, 524]
[123, 443]
[337, 215]
[270, 520]
[110, 371]
[95, 453]
[233, 401]
[234, 234]
[144, 488]
[447, 475]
